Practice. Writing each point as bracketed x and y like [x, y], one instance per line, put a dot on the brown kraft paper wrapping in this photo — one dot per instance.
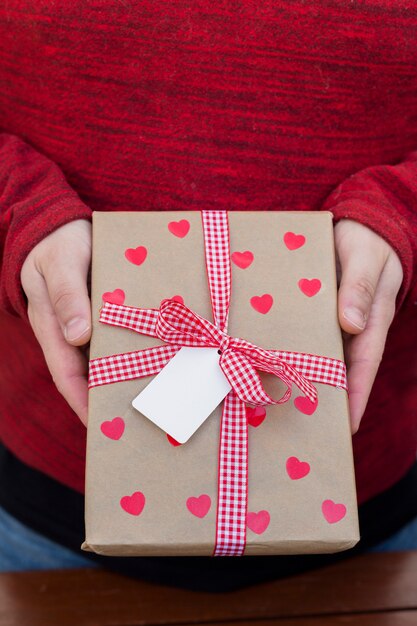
[143, 460]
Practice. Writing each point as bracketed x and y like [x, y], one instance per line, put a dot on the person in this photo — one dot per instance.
[166, 106]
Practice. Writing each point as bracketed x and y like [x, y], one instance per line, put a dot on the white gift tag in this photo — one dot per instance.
[185, 392]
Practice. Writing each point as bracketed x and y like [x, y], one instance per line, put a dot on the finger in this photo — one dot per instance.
[364, 351]
[67, 364]
[66, 280]
[361, 269]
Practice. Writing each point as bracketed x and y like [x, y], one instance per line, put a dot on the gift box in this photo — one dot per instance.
[256, 477]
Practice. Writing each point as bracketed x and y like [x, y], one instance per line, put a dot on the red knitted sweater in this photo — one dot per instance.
[238, 104]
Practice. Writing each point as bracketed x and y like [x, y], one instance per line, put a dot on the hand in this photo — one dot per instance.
[54, 278]
[370, 275]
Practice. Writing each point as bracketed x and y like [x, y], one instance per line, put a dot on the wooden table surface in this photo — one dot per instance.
[371, 590]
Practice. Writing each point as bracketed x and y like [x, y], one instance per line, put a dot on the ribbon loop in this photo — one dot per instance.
[178, 324]
[244, 379]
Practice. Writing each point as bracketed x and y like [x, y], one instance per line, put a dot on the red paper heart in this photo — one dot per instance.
[179, 299]
[333, 512]
[309, 287]
[258, 522]
[133, 504]
[255, 415]
[305, 405]
[113, 429]
[199, 506]
[179, 229]
[136, 255]
[293, 241]
[242, 259]
[173, 441]
[297, 469]
[262, 304]
[114, 297]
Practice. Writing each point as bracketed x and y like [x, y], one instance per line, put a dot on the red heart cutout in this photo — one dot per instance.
[179, 299]
[173, 441]
[293, 241]
[255, 415]
[309, 287]
[199, 506]
[114, 297]
[258, 522]
[305, 405]
[136, 255]
[242, 259]
[297, 469]
[133, 504]
[113, 429]
[333, 512]
[179, 229]
[262, 304]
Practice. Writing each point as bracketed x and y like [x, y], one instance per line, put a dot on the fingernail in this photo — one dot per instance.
[355, 317]
[75, 329]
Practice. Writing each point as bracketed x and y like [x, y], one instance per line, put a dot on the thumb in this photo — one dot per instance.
[66, 281]
[360, 275]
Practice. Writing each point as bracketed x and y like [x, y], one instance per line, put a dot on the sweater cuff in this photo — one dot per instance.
[67, 208]
[386, 223]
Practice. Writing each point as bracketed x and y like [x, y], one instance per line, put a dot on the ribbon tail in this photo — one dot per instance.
[291, 375]
[130, 365]
[233, 479]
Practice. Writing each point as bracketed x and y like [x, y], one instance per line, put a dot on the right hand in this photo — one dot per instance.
[54, 278]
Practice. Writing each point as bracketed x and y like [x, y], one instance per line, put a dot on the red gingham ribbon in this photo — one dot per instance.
[178, 326]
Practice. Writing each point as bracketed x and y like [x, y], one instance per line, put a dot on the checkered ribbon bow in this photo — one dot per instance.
[179, 326]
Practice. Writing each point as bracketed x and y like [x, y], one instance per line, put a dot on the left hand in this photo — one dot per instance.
[370, 274]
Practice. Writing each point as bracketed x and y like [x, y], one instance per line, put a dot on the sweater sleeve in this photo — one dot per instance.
[35, 199]
[384, 198]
